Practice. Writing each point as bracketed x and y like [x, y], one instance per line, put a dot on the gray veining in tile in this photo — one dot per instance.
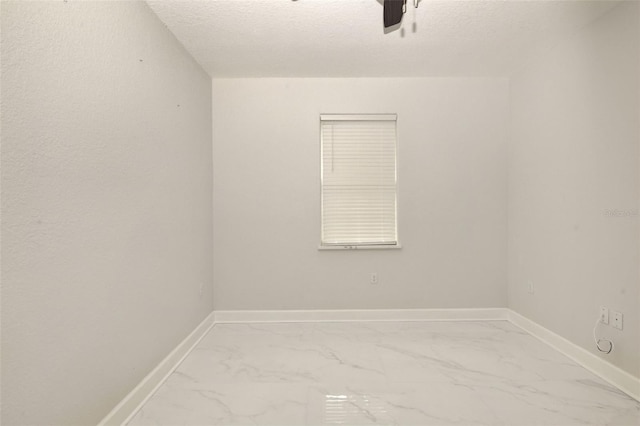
[392, 373]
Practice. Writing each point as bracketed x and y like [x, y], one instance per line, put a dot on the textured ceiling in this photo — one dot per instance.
[345, 38]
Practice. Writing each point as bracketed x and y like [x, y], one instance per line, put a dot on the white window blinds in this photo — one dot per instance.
[358, 180]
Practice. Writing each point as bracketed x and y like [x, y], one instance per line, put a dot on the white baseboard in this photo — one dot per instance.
[361, 315]
[129, 406]
[609, 372]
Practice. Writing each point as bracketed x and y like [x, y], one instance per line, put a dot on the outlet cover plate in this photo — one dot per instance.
[530, 288]
[617, 320]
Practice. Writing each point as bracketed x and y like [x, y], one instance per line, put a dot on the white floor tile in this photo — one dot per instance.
[226, 404]
[439, 403]
[395, 373]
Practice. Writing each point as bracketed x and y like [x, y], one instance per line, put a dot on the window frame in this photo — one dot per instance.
[359, 117]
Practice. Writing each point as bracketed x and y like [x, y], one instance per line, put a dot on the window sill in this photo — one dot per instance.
[363, 247]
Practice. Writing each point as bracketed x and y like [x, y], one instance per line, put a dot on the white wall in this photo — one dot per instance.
[106, 204]
[452, 200]
[574, 156]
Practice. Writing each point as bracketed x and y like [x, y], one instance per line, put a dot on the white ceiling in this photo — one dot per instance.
[345, 38]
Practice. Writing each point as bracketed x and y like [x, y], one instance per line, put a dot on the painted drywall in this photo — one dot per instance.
[106, 205]
[573, 186]
[452, 195]
[440, 38]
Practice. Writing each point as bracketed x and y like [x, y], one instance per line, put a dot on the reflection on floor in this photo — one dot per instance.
[391, 373]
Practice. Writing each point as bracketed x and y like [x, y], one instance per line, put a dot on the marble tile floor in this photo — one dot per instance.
[388, 373]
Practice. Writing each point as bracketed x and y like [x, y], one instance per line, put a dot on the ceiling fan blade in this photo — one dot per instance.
[393, 11]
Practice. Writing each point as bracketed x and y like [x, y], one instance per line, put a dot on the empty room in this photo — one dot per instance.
[318, 212]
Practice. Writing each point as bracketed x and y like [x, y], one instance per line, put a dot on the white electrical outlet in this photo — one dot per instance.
[604, 315]
[617, 320]
[373, 279]
[530, 288]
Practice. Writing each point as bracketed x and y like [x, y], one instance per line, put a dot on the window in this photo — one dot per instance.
[358, 180]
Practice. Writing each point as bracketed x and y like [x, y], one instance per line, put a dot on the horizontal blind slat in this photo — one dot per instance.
[358, 182]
